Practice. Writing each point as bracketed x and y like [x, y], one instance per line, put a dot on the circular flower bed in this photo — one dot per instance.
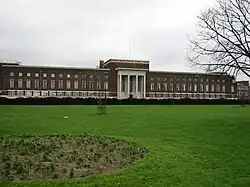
[63, 156]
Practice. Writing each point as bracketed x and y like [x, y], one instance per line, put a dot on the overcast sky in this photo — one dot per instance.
[82, 32]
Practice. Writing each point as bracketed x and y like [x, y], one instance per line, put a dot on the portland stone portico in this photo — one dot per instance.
[131, 83]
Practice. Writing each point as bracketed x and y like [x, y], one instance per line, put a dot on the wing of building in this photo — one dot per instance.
[117, 78]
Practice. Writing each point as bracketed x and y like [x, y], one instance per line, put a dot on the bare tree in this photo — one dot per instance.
[223, 38]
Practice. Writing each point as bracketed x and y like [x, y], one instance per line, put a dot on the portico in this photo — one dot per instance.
[131, 82]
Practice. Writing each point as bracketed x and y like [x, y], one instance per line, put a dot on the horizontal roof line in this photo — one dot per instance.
[55, 67]
[200, 73]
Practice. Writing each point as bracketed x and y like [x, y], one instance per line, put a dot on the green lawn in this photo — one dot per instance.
[189, 145]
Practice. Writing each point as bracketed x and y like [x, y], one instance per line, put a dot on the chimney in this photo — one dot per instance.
[101, 63]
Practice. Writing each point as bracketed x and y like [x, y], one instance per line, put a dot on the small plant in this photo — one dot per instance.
[71, 173]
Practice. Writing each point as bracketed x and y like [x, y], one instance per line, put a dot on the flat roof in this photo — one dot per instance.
[190, 73]
[55, 67]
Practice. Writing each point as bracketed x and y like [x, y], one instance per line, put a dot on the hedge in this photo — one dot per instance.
[109, 101]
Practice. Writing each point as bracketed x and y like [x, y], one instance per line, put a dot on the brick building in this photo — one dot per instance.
[116, 78]
[243, 90]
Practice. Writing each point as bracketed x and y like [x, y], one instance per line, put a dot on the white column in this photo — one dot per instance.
[136, 86]
[144, 86]
[120, 86]
[128, 85]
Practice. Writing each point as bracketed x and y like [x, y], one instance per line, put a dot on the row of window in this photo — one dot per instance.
[92, 85]
[189, 79]
[170, 95]
[190, 87]
[53, 75]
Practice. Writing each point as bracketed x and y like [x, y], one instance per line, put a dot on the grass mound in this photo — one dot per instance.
[63, 156]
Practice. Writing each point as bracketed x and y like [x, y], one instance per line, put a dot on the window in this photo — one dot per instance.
[91, 76]
[158, 86]
[201, 80]
[76, 76]
[165, 86]
[20, 74]
[28, 83]
[171, 87]
[223, 81]
[223, 88]
[45, 75]
[190, 87]
[68, 84]
[158, 78]
[20, 83]
[36, 74]
[190, 80]
[152, 86]
[53, 75]
[53, 84]
[106, 85]
[45, 84]
[98, 85]
[207, 88]
[12, 83]
[152, 78]
[68, 75]
[60, 75]
[184, 87]
[218, 88]
[84, 86]
[28, 74]
[106, 77]
[60, 85]
[212, 88]
[201, 88]
[36, 83]
[12, 74]
[195, 87]
[171, 79]
[84, 76]
[218, 81]
[165, 79]
[91, 85]
[207, 80]
[232, 88]
[184, 79]
[213, 81]
[177, 87]
[76, 84]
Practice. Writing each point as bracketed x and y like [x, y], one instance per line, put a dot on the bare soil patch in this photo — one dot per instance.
[63, 156]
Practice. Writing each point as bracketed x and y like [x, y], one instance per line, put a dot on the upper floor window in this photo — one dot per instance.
[165, 79]
[76, 76]
[165, 86]
[190, 80]
[45, 84]
[189, 87]
[36, 74]
[201, 79]
[60, 75]
[60, 84]
[20, 74]
[152, 78]
[158, 86]
[28, 83]
[68, 75]
[53, 84]
[20, 83]
[223, 88]
[28, 74]
[76, 84]
[91, 76]
[212, 88]
[195, 87]
[106, 86]
[207, 88]
[37, 84]
[68, 84]
[91, 85]
[53, 75]
[12, 74]
[84, 86]
[184, 87]
[84, 76]
[177, 87]
[98, 84]
[45, 75]
[106, 77]
[232, 89]
[158, 78]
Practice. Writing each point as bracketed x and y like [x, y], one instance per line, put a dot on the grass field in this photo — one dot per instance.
[189, 145]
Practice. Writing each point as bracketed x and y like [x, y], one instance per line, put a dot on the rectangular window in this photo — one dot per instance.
[37, 84]
[68, 84]
[12, 74]
[165, 86]
[60, 85]
[195, 87]
[91, 76]
[76, 76]
[20, 74]
[20, 83]
[177, 87]
[158, 86]
[36, 74]
[190, 87]
[60, 75]
[223, 88]
[171, 87]
[44, 75]
[218, 88]
[28, 74]
[53, 75]
[106, 85]
[68, 75]
[207, 88]
[212, 88]
[98, 85]
[84, 86]
[52, 84]
[28, 83]
[232, 88]
[12, 83]
[201, 88]
[76, 84]
[152, 86]
[45, 84]
[91, 85]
